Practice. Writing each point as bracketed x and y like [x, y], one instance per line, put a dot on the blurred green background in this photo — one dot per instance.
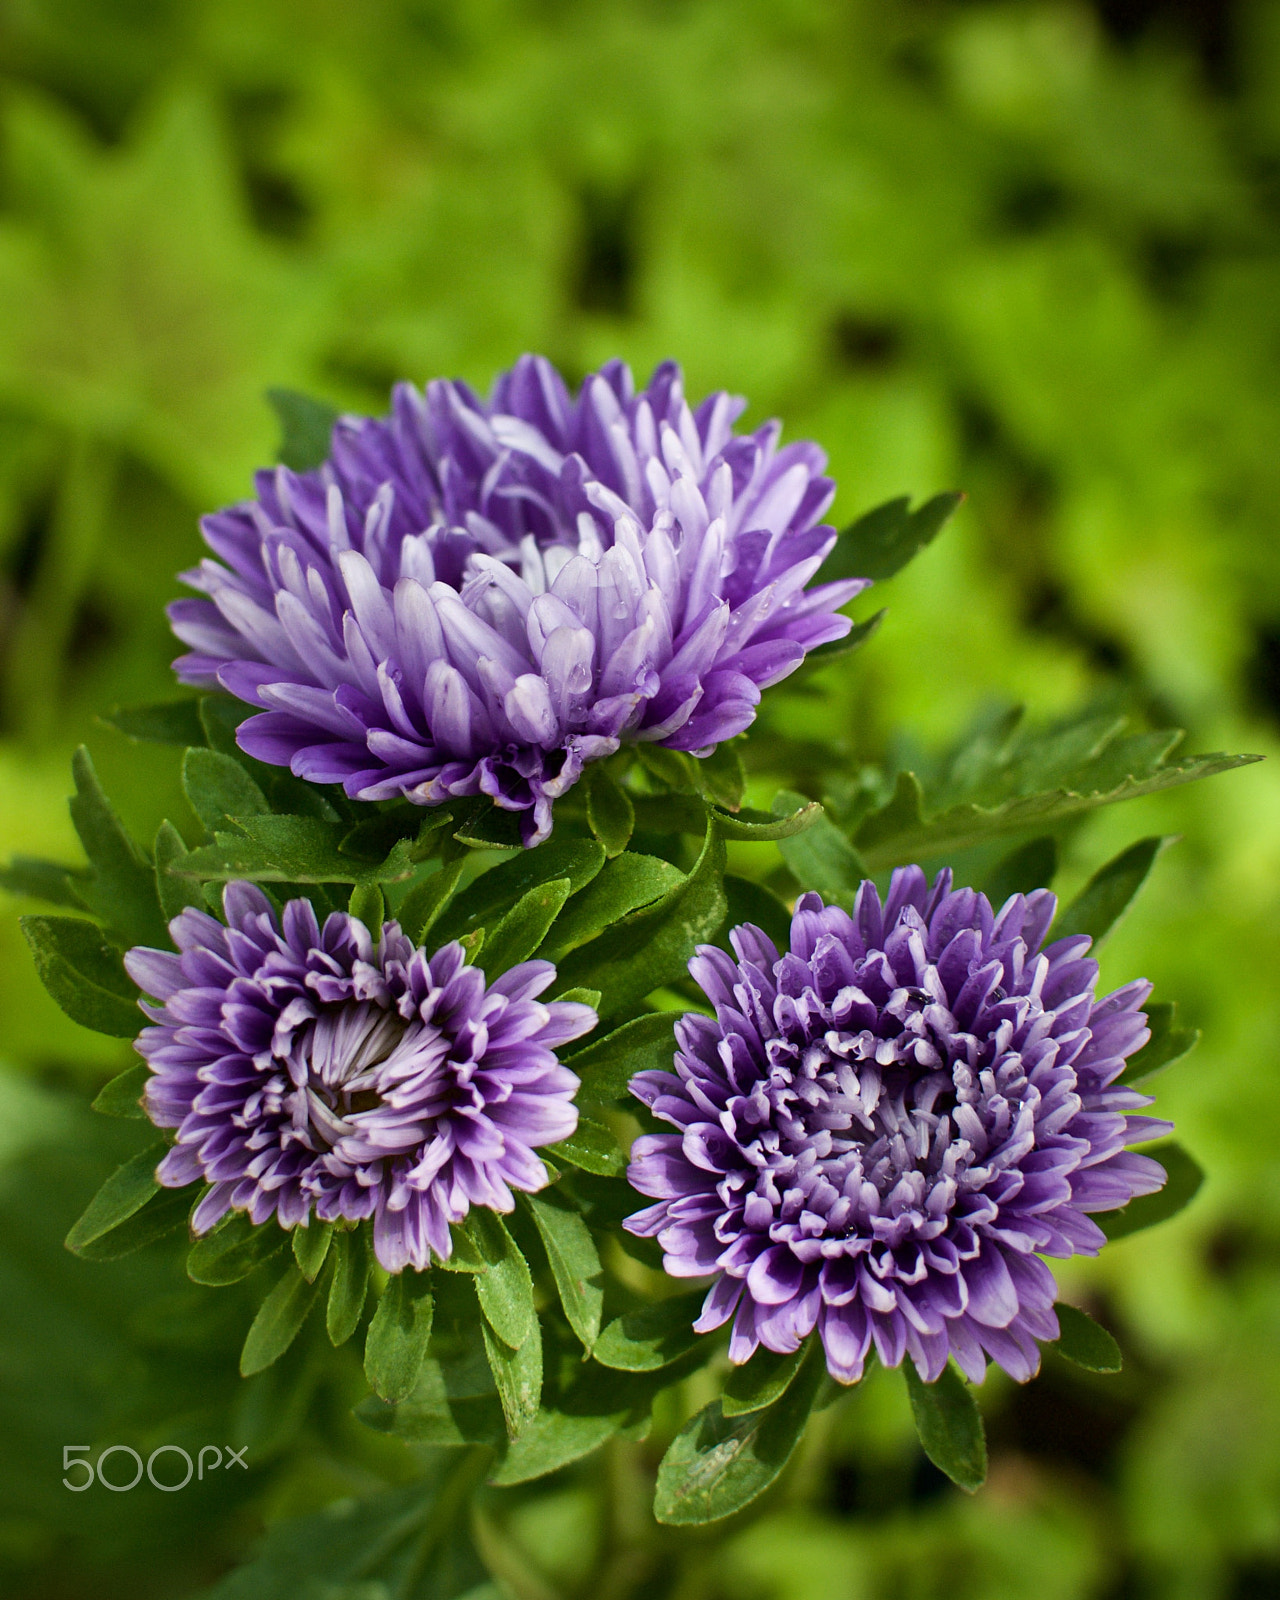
[1028, 250]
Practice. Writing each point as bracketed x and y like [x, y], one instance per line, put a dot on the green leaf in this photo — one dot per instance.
[291, 849]
[175, 892]
[504, 1289]
[1030, 866]
[592, 1147]
[489, 827]
[551, 1440]
[949, 1426]
[672, 769]
[44, 880]
[166, 1212]
[367, 905]
[127, 1190]
[396, 1344]
[1108, 894]
[623, 886]
[752, 902]
[122, 891]
[219, 789]
[524, 927]
[718, 1464]
[607, 1066]
[610, 814]
[168, 722]
[517, 1374]
[759, 1381]
[348, 1285]
[721, 776]
[122, 1097]
[1185, 1175]
[763, 827]
[821, 858]
[1168, 1043]
[574, 1260]
[1083, 1341]
[652, 947]
[579, 997]
[84, 974]
[1011, 786]
[231, 1250]
[493, 893]
[306, 428]
[447, 1408]
[278, 1322]
[883, 540]
[651, 1336]
[311, 1246]
[409, 1543]
[426, 900]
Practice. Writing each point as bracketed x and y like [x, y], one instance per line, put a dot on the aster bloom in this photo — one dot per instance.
[883, 1127]
[309, 1068]
[479, 597]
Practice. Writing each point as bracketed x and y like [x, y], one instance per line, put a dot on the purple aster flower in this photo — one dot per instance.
[478, 597]
[882, 1129]
[308, 1067]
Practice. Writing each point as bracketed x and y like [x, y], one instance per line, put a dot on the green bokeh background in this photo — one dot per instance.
[1027, 250]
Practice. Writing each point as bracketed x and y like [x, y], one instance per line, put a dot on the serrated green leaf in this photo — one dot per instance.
[574, 1261]
[166, 722]
[1082, 1340]
[820, 858]
[291, 849]
[1109, 893]
[425, 902]
[592, 1147]
[278, 1322]
[517, 1374]
[49, 881]
[367, 905]
[348, 1285]
[901, 830]
[126, 1191]
[652, 947]
[524, 927]
[122, 891]
[752, 902]
[1030, 866]
[607, 1066]
[231, 1250]
[881, 541]
[1185, 1175]
[718, 1464]
[759, 1381]
[626, 884]
[174, 892]
[396, 1344]
[311, 1246]
[490, 896]
[122, 1097]
[306, 428]
[84, 974]
[949, 1426]
[165, 1213]
[219, 789]
[651, 1336]
[1168, 1043]
[610, 814]
[504, 1289]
